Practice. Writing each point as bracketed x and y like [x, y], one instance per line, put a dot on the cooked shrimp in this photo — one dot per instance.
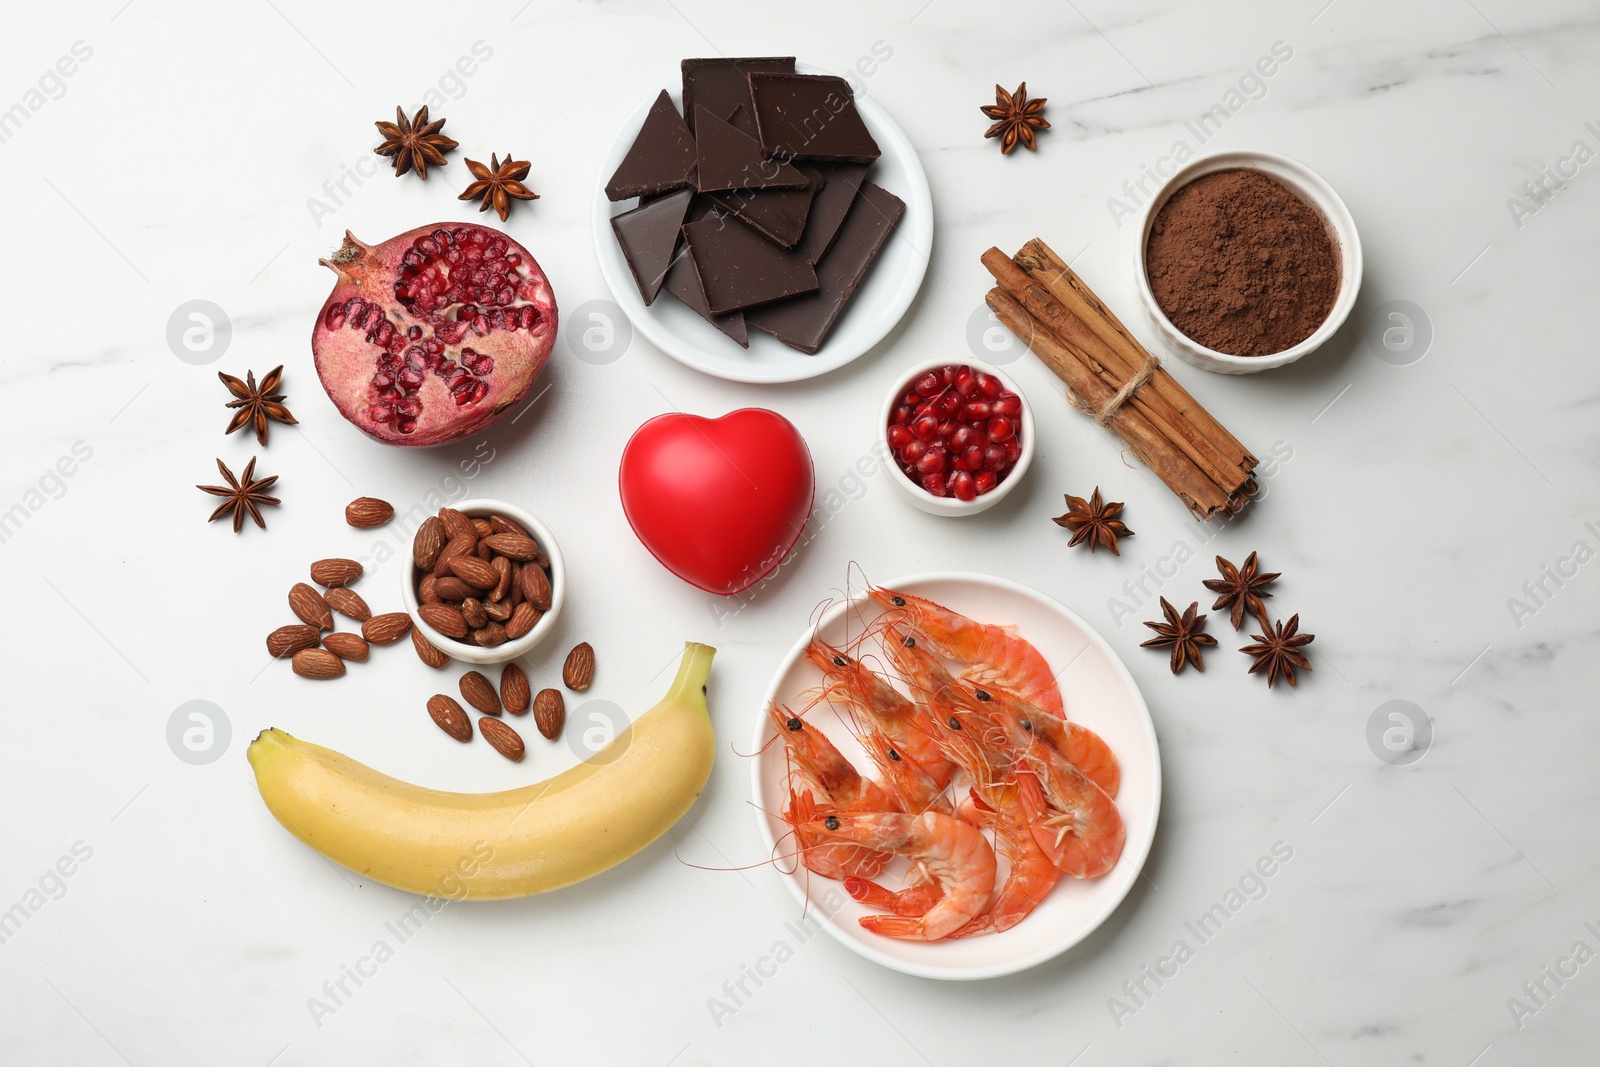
[946, 699]
[1032, 874]
[831, 859]
[912, 786]
[860, 689]
[957, 855]
[1081, 746]
[817, 763]
[990, 654]
[1074, 821]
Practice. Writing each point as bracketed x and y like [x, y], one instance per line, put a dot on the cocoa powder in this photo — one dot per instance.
[1241, 264]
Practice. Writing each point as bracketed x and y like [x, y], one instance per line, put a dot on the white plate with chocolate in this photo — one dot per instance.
[774, 228]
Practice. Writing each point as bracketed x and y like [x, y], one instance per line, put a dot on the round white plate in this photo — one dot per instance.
[1099, 692]
[890, 286]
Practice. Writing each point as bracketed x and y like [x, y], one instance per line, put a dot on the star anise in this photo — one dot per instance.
[415, 143]
[1241, 587]
[256, 404]
[1017, 118]
[497, 183]
[1182, 635]
[1278, 651]
[1093, 522]
[245, 495]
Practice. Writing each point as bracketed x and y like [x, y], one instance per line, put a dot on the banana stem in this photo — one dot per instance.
[690, 684]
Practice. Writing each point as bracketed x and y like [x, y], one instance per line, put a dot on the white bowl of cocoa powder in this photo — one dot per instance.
[1247, 261]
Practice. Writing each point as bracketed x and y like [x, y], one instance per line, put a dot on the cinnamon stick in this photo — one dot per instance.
[1156, 451]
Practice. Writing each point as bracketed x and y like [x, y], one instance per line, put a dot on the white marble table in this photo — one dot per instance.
[1436, 520]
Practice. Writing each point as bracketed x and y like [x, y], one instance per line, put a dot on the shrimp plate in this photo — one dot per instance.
[1099, 693]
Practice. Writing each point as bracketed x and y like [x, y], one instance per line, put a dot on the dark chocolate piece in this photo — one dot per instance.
[805, 321]
[739, 268]
[721, 85]
[810, 116]
[662, 157]
[744, 120]
[649, 235]
[684, 283]
[728, 159]
[777, 214]
[831, 205]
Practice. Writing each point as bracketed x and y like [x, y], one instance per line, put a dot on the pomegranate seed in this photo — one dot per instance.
[410, 406]
[984, 481]
[972, 458]
[444, 237]
[901, 417]
[912, 452]
[899, 437]
[530, 316]
[427, 246]
[411, 378]
[947, 427]
[925, 427]
[480, 391]
[964, 436]
[966, 381]
[406, 424]
[912, 397]
[989, 385]
[412, 258]
[335, 316]
[963, 486]
[1008, 404]
[994, 457]
[934, 484]
[414, 334]
[1001, 429]
[946, 404]
[928, 384]
[382, 381]
[947, 373]
[480, 325]
[975, 410]
[1013, 451]
[933, 460]
[381, 413]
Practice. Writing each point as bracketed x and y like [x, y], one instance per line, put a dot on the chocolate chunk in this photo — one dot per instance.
[739, 268]
[777, 214]
[649, 235]
[662, 157]
[728, 159]
[810, 116]
[721, 85]
[805, 321]
[831, 205]
[683, 282]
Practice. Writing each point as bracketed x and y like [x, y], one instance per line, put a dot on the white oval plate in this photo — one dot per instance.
[1099, 692]
[890, 286]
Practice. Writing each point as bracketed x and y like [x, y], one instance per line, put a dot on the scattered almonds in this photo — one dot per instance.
[427, 651]
[368, 512]
[514, 689]
[347, 602]
[318, 664]
[332, 572]
[309, 607]
[479, 692]
[549, 712]
[386, 629]
[577, 673]
[285, 641]
[347, 647]
[505, 740]
[450, 717]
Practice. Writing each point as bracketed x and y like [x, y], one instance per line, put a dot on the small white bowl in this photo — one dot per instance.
[949, 505]
[1314, 190]
[470, 653]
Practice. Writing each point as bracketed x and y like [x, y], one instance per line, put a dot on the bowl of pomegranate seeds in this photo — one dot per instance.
[960, 434]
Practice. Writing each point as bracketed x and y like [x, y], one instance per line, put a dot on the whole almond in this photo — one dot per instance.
[502, 570]
[445, 619]
[498, 610]
[505, 740]
[332, 572]
[386, 629]
[450, 717]
[367, 512]
[426, 544]
[427, 590]
[523, 618]
[501, 524]
[484, 552]
[428, 652]
[474, 571]
[347, 602]
[309, 607]
[347, 647]
[536, 587]
[479, 692]
[489, 635]
[549, 712]
[578, 671]
[285, 641]
[514, 689]
[318, 664]
[516, 546]
[452, 588]
[456, 524]
[472, 611]
[456, 546]
[483, 527]
[513, 595]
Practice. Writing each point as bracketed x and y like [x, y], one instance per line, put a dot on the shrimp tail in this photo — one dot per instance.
[912, 902]
[904, 927]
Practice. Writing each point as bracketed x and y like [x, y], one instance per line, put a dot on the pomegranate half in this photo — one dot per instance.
[431, 335]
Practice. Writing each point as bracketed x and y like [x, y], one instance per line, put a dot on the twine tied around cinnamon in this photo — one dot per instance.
[1108, 411]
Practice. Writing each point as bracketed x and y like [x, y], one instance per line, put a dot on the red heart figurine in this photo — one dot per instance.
[719, 502]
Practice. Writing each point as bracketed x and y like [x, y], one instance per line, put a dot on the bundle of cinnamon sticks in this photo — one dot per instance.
[1110, 376]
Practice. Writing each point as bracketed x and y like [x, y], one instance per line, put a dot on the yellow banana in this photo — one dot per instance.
[488, 846]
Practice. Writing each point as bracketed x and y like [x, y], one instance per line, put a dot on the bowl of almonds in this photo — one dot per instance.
[487, 581]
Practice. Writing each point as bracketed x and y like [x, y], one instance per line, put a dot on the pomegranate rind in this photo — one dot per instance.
[362, 373]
